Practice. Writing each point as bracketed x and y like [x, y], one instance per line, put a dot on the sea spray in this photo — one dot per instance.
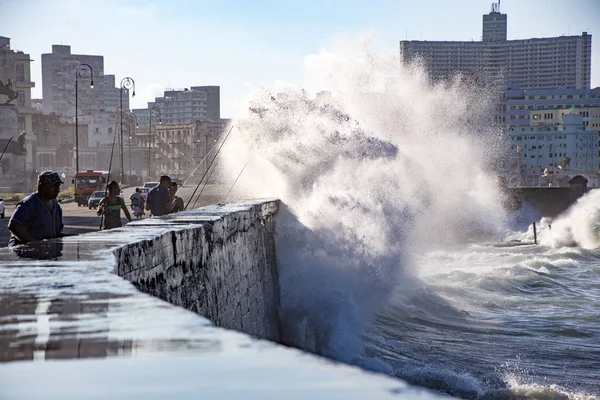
[372, 162]
[578, 226]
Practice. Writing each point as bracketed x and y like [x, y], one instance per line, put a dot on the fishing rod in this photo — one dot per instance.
[112, 151]
[199, 164]
[234, 182]
[5, 147]
[204, 186]
[207, 169]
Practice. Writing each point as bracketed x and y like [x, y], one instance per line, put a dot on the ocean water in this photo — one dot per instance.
[392, 239]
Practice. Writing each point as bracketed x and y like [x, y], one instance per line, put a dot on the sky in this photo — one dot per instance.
[243, 44]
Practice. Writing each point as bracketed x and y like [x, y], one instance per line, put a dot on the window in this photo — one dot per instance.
[20, 72]
[21, 100]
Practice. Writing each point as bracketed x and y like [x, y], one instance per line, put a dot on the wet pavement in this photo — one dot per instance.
[71, 329]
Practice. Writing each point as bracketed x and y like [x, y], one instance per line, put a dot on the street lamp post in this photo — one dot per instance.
[126, 83]
[129, 132]
[153, 110]
[82, 71]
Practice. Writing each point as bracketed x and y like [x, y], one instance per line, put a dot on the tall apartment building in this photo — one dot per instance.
[98, 107]
[180, 106]
[537, 63]
[58, 84]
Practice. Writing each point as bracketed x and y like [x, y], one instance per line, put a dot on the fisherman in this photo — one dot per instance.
[176, 201]
[159, 201]
[38, 216]
[111, 207]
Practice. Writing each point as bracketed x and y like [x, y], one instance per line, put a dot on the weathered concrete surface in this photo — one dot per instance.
[224, 269]
[70, 328]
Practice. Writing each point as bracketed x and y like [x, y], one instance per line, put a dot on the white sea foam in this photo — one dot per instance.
[578, 226]
[378, 166]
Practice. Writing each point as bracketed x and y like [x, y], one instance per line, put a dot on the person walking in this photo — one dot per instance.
[38, 216]
[137, 203]
[111, 207]
[159, 201]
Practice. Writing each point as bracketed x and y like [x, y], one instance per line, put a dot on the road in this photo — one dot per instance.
[82, 220]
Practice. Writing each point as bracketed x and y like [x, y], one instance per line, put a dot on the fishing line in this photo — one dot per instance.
[207, 169]
[199, 164]
[205, 183]
[234, 182]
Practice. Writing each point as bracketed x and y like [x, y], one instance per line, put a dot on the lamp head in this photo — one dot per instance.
[133, 95]
[137, 125]
[92, 84]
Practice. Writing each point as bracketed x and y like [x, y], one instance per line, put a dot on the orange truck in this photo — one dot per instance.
[87, 182]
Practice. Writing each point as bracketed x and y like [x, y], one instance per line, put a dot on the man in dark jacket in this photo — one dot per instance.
[38, 216]
[158, 201]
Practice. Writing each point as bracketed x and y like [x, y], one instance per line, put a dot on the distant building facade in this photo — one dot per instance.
[519, 103]
[182, 149]
[182, 106]
[195, 104]
[537, 63]
[548, 150]
[58, 84]
[55, 141]
[15, 73]
[99, 106]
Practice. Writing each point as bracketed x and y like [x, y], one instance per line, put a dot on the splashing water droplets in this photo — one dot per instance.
[371, 161]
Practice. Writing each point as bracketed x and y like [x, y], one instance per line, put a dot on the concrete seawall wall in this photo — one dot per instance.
[61, 302]
[224, 269]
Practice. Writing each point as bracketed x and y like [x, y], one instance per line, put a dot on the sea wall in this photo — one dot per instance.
[224, 269]
[548, 201]
[61, 301]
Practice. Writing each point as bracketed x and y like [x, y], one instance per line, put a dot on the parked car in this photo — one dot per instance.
[150, 185]
[95, 199]
[1, 208]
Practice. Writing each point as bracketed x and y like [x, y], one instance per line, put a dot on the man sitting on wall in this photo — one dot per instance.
[38, 216]
[158, 201]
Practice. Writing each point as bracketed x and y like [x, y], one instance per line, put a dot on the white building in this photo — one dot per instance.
[536, 63]
[549, 150]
